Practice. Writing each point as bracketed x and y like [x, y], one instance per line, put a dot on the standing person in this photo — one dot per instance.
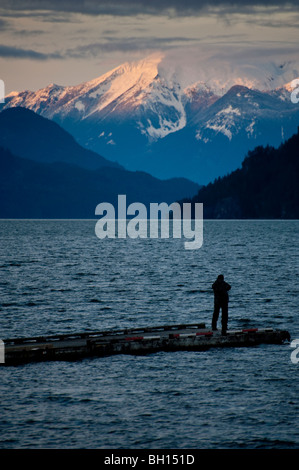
[220, 288]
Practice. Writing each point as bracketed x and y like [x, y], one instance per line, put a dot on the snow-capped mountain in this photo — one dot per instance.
[147, 119]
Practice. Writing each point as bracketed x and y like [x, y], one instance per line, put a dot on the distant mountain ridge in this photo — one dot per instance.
[44, 173]
[31, 189]
[29, 135]
[145, 118]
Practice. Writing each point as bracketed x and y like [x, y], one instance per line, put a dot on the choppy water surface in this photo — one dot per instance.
[58, 277]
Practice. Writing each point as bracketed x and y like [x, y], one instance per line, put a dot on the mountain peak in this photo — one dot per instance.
[149, 64]
[147, 67]
[127, 83]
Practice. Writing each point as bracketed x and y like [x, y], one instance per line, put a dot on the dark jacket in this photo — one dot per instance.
[220, 288]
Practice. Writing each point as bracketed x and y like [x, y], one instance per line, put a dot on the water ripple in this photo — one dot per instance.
[57, 277]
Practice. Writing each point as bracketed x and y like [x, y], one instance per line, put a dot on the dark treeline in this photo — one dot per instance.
[266, 186]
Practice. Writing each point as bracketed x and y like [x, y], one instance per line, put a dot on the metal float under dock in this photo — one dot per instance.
[193, 337]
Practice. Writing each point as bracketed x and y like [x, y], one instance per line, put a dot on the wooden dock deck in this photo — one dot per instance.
[194, 337]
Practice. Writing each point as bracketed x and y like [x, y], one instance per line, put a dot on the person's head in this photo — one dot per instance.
[220, 277]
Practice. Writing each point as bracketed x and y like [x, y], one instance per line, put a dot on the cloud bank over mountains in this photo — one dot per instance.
[154, 7]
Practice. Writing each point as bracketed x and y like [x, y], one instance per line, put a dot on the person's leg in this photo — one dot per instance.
[224, 317]
[215, 315]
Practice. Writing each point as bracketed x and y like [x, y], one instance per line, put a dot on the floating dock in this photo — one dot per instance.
[193, 337]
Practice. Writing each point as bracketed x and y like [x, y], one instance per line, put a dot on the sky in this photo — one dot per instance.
[70, 41]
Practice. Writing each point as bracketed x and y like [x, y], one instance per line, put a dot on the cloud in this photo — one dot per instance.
[10, 52]
[26, 32]
[292, 22]
[129, 44]
[3, 24]
[106, 45]
[135, 7]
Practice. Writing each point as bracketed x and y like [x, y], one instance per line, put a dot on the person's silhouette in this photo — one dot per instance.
[220, 288]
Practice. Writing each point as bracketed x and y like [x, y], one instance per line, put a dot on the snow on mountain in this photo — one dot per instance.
[241, 111]
[164, 110]
[224, 121]
[160, 105]
[127, 85]
[125, 89]
[147, 117]
[95, 94]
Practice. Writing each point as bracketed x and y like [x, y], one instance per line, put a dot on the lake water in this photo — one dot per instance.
[58, 277]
